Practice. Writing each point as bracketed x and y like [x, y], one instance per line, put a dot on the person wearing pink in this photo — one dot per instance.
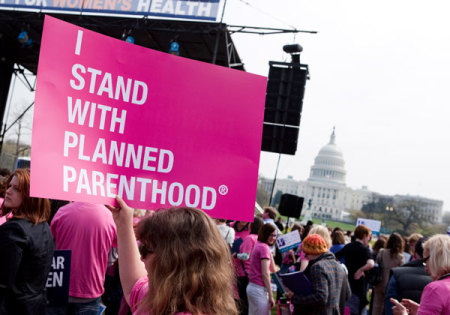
[181, 266]
[242, 263]
[259, 292]
[435, 299]
[88, 230]
[241, 229]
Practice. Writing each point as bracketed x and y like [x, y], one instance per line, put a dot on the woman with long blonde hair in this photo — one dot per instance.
[184, 265]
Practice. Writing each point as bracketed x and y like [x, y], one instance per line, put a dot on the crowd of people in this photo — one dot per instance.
[180, 261]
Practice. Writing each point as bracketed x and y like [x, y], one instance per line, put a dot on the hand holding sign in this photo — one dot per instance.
[123, 214]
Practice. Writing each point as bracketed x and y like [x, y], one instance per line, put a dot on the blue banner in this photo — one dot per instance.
[179, 9]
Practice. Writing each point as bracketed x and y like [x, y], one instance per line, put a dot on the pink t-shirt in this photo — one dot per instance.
[138, 292]
[89, 231]
[246, 247]
[260, 251]
[241, 234]
[435, 298]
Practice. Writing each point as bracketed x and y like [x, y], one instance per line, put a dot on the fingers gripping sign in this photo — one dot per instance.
[122, 213]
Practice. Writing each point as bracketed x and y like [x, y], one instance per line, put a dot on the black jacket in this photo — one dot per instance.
[411, 279]
[26, 252]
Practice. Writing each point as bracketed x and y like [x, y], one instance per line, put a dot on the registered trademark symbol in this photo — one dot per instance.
[223, 190]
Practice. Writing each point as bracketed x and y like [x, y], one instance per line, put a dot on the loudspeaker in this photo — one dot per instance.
[285, 91]
[284, 101]
[280, 139]
[291, 205]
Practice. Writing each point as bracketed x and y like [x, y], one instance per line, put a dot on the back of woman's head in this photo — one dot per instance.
[395, 244]
[33, 209]
[306, 230]
[380, 243]
[297, 227]
[265, 231]
[256, 225]
[191, 269]
[322, 231]
[438, 248]
[338, 237]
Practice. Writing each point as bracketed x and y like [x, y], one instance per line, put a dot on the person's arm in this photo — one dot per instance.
[131, 268]
[291, 252]
[265, 265]
[360, 272]
[303, 264]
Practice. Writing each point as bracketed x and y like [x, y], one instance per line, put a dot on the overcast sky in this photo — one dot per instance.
[380, 73]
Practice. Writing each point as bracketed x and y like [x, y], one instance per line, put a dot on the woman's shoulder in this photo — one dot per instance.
[439, 284]
[15, 231]
[138, 292]
[15, 224]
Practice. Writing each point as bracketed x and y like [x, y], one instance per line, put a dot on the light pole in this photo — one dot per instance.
[389, 209]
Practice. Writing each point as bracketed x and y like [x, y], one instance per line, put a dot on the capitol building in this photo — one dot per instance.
[326, 194]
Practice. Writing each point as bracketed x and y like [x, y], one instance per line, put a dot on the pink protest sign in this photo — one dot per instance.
[160, 130]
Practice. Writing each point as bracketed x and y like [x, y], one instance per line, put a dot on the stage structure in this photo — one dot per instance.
[193, 28]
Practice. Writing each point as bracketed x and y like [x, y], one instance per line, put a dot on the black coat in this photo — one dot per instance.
[26, 252]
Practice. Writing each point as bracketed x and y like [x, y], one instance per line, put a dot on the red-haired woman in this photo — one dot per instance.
[26, 248]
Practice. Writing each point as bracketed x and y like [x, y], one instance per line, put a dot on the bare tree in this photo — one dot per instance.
[409, 215]
[20, 123]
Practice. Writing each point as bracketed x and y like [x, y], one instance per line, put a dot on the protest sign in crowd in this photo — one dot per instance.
[152, 178]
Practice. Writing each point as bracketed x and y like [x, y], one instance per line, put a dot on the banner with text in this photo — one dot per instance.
[374, 225]
[207, 10]
[58, 279]
[288, 241]
[160, 130]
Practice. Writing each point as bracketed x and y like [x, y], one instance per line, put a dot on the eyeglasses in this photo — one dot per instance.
[144, 251]
[425, 260]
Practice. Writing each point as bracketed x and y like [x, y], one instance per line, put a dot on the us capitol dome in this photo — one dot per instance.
[326, 194]
[329, 165]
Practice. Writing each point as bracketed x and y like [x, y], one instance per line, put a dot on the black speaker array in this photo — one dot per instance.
[284, 101]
